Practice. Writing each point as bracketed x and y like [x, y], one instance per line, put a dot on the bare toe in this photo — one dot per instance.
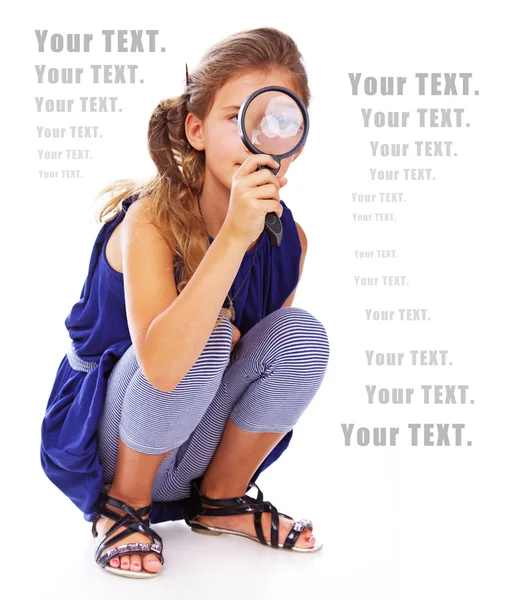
[151, 563]
[306, 539]
[135, 562]
[125, 562]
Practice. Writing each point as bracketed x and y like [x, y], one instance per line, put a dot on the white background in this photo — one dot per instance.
[398, 522]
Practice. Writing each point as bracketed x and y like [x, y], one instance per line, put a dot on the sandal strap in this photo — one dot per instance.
[133, 522]
[112, 548]
[225, 502]
[132, 527]
[297, 528]
[274, 520]
[104, 512]
[135, 548]
[193, 505]
[229, 502]
[236, 510]
[274, 525]
[242, 505]
[104, 500]
[121, 505]
[231, 506]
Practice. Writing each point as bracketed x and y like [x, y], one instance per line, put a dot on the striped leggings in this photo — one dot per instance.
[265, 384]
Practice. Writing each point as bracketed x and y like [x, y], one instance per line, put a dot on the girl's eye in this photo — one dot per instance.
[233, 117]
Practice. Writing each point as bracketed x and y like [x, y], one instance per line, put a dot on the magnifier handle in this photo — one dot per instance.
[273, 224]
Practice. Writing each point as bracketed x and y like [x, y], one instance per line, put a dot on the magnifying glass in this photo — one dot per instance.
[273, 120]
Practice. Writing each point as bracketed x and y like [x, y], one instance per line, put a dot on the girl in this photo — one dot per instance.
[159, 411]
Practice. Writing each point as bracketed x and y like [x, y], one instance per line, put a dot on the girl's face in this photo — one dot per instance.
[218, 133]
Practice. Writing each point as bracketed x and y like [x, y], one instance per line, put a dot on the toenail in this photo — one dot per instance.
[136, 565]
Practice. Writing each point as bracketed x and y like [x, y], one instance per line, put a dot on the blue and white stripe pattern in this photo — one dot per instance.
[77, 363]
[265, 385]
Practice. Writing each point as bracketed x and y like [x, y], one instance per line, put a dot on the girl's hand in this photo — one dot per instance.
[253, 195]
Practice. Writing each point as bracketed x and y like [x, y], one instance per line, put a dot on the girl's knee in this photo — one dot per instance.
[299, 325]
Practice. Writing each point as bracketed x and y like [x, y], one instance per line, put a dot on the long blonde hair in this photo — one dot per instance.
[176, 187]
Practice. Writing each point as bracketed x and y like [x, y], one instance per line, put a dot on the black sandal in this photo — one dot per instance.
[133, 522]
[241, 505]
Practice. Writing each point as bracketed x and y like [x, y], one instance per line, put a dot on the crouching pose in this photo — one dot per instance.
[188, 366]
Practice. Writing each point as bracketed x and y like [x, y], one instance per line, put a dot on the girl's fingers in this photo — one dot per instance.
[263, 177]
[253, 161]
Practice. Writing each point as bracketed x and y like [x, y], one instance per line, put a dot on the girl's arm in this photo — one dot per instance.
[170, 331]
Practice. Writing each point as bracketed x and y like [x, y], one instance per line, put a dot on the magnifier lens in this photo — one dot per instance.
[274, 123]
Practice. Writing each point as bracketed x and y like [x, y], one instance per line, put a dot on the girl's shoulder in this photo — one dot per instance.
[136, 221]
[141, 209]
[140, 214]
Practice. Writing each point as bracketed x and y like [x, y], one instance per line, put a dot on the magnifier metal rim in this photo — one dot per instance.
[242, 112]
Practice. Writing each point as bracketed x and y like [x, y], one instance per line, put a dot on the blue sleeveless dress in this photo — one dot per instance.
[99, 334]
